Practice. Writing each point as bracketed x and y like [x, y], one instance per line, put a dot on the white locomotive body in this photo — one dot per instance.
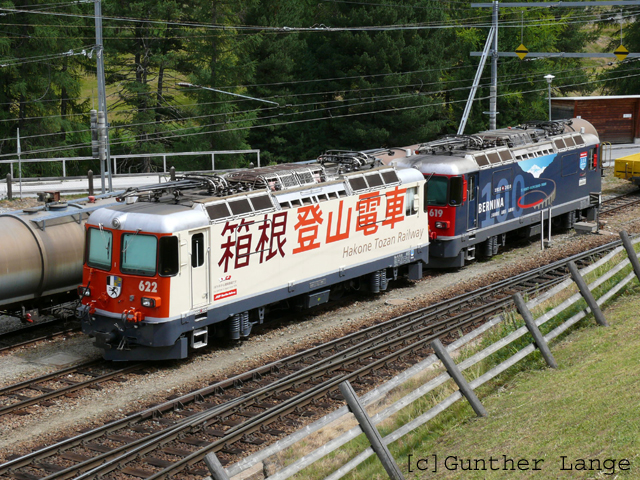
[164, 274]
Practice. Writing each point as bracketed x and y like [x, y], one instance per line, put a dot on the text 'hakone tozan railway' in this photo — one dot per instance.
[181, 261]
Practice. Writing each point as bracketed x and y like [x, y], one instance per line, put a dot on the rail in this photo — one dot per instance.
[379, 393]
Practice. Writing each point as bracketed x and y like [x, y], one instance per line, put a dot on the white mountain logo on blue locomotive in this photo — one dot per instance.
[114, 286]
[536, 166]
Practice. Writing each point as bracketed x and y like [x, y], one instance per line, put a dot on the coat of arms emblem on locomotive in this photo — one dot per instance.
[114, 286]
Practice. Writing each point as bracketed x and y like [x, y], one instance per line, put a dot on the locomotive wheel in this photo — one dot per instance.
[568, 220]
[489, 247]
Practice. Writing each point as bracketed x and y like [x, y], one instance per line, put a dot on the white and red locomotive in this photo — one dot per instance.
[205, 255]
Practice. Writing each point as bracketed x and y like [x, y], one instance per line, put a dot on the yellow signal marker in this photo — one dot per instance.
[621, 53]
[522, 51]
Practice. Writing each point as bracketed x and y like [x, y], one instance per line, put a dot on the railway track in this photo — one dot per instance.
[619, 202]
[237, 415]
[42, 390]
[35, 333]
[56, 321]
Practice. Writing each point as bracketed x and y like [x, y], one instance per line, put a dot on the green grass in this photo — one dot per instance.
[587, 409]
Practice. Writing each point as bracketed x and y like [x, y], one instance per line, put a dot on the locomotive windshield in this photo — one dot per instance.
[99, 243]
[437, 191]
[443, 191]
[139, 254]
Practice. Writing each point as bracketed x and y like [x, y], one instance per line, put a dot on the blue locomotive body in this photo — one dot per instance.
[484, 186]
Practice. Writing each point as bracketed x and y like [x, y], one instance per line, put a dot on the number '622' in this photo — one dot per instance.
[148, 286]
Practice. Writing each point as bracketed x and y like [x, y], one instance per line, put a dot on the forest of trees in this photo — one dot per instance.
[345, 74]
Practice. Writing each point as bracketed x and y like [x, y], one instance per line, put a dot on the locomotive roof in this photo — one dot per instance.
[195, 209]
[460, 154]
[157, 217]
[438, 165]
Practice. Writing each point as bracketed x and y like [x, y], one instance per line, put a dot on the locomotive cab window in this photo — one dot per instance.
[197, 250]
[139, 253]
[168, 264]
[437, 191]
[99, 242]
[455, 194]
[410, 207]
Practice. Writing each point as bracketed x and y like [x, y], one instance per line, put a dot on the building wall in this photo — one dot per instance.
[615, 119]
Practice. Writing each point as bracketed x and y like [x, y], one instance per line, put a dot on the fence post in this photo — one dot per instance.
[172, 174]
[539, 340]
[90, 178]
[369, 429]
[633, 256]
[9, 191]
[541, 229]
[587, 295]
[454, 372]
[215, 467]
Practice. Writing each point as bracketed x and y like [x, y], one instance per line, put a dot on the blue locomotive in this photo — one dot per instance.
[483, 186]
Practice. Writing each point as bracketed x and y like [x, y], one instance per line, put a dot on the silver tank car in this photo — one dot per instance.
[41, 254]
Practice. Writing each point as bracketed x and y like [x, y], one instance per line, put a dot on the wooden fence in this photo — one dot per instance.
[343, 414]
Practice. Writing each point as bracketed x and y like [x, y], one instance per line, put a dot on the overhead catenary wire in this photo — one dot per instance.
[507, 24]
[508, 81]
[288, 95]
[168, 136]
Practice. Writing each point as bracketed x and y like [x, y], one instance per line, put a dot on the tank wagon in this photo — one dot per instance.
[205, 256]
[41, 256]
[483, 186]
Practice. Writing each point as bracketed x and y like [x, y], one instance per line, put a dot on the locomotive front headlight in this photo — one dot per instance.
[148, 302]
[84, 291]
[442, 224]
